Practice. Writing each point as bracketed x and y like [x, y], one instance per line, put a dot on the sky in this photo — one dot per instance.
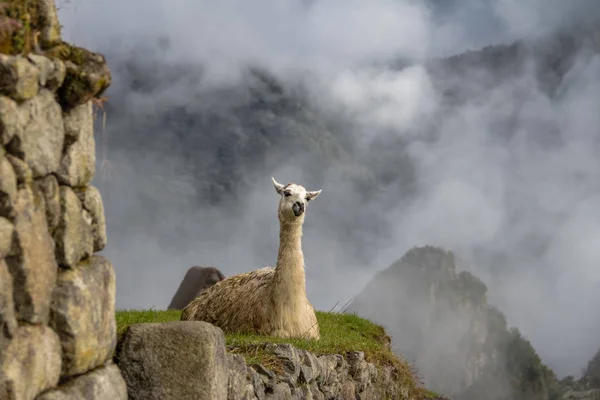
[484, 199]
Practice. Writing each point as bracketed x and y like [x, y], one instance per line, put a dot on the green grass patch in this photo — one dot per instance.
[340, 333]
[131, 317]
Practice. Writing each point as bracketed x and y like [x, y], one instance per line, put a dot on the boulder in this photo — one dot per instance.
[73, 235]
[77, 120]
[11, 120]
[32, 263]
[31, 363]
[8, 185]
[40, 141]
[182, 360]
[22, 171]
[48, 187]
[196, 280]
[52, 71]
[281, 391]
[78, 164]
[103, 383]
[362, 373]
[83, 314]
[18, 77]
[238, 386]
[6, 237]
[88, 75]
[257, 383]
[91, 199]
[8, 320]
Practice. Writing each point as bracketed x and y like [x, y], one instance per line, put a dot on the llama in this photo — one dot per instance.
[271, 300]
[196, 280]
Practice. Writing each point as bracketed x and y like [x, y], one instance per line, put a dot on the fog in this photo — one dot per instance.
[516, 200]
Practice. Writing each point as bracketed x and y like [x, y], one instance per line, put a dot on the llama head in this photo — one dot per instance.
[294, 201]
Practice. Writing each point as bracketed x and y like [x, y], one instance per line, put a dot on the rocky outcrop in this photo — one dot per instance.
[57, 299]
[431, 319]
[188, 360]
[461, 345]
[196, 280]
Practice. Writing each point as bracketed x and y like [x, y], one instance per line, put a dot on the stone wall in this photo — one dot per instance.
[188, 360]
[57, 298]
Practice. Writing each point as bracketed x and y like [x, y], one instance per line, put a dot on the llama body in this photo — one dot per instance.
[272, 300]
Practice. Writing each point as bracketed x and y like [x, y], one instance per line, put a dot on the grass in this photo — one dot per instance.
[340, 333]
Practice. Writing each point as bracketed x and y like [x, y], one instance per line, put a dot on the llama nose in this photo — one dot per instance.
[298, 208]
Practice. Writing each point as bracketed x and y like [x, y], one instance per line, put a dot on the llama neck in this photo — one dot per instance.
[290, 281]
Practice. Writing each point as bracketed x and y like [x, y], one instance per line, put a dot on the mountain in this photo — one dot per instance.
[588, 386]
[440, 318]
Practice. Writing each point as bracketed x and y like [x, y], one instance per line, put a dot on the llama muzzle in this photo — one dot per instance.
[298, 208]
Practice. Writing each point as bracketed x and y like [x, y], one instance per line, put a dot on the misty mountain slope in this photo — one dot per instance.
[461, 345]
[222, 135]
[470, 76]
[591, 374]
[262, 122]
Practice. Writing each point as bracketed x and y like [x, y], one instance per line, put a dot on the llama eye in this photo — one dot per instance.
[287, 194]
[307, 199]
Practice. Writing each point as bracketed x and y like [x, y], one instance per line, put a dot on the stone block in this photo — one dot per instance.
[79, 120]
[91, 199]
[22, 171]
[31, 363]
[315, 392]
[8, 320]
[52, 71]
[103, 383]
[83, 314]
[289, 358]
[49, 188]
[281, 391]
[78, 165]
[32, 263]
[257, 383]
[182, 360]
[7, 231]
[11, 120]
[238, 386]
[40, 141]
[8, 185]
[18, 77]
[88, 76]
[310, 368]
[73, 235]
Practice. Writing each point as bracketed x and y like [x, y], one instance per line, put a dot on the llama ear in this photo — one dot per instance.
[312, 195]
[278, 186]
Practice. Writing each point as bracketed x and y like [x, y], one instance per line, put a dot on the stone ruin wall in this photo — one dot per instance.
[57, 298]
[187, 360]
